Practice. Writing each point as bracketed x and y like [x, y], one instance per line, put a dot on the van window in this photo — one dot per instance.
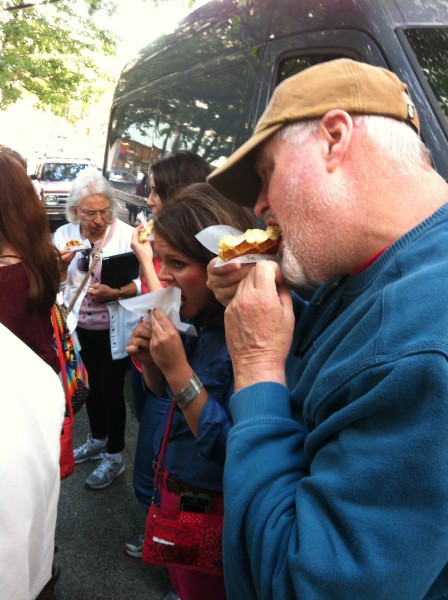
[430, 46]
[292, 66]
[206, 114]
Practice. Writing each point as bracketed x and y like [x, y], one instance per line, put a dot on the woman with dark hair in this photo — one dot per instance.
[172, 173]
[167, 177]
[29, 274]
[173, 363]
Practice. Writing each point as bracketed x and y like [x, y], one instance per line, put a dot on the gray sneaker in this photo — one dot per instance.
[104, 474]
[171, 596]
[91, 450]
[134, 547]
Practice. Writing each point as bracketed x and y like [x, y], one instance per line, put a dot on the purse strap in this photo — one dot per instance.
[163, 447]
[96, 258]
[57, 337]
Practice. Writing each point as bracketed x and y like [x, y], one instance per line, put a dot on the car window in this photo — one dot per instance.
[62, 171]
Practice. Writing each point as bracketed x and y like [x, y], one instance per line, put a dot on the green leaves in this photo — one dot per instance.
[54, 51]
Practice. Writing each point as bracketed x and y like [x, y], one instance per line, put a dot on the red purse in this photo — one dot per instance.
[180, 538]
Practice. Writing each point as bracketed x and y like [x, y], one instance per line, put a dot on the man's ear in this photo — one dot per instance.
[336, 126]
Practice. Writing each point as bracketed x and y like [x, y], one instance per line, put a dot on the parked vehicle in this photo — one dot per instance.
[53, 178]
[204, 86]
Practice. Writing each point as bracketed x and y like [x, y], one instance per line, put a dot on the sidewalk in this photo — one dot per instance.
[93, 526]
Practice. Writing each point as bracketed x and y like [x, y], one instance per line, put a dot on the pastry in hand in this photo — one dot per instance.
[252, 241]
[144, 234]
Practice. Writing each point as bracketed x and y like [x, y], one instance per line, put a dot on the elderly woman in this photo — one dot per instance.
[103, 326]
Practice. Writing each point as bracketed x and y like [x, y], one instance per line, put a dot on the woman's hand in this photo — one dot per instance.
[143, 250]
[166, 345]
[65, 258]
[138, 345]
[101, 292]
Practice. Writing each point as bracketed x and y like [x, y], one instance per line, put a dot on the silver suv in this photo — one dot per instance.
[53, 178]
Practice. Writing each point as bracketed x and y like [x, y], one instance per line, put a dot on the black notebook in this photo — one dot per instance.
[120, 269]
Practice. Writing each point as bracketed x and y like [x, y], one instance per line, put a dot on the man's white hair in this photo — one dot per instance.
[395, 139]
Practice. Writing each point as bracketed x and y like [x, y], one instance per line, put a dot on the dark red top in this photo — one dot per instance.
[34, 329]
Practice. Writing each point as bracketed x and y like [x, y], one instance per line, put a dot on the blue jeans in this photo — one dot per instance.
[153, 411]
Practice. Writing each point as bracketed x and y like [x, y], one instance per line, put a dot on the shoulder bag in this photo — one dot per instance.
[76, 386]
[180, 538]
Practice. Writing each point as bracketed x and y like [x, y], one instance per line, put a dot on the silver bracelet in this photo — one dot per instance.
[189, 392]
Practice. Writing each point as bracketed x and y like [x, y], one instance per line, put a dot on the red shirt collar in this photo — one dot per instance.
[369, 262]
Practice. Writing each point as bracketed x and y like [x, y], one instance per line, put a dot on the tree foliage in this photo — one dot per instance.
[51, 49]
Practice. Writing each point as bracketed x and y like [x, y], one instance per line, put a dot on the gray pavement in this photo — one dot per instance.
[93, 525]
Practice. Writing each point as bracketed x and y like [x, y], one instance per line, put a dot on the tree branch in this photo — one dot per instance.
[30, 4]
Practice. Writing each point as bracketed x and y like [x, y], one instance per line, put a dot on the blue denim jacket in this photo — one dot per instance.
[200, 461]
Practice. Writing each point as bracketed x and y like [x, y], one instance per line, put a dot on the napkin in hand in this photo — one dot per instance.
[168, 300]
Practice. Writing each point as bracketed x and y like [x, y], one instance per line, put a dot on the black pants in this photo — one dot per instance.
[105, 404]
[48, 593]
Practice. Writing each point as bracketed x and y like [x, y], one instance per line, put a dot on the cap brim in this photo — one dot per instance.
[237, 178]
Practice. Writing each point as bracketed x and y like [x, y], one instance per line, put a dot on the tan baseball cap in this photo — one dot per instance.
[345, 84]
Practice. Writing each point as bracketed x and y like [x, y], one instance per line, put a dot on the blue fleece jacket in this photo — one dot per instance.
[337, 488]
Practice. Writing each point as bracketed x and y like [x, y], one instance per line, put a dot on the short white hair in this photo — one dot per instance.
[395, 139]
[89, 182]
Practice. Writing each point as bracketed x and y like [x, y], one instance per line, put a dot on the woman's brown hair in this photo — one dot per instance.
[193, 209]
[178, 171]
[24, 227]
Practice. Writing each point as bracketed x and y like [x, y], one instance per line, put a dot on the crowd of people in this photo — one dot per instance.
[318, 427]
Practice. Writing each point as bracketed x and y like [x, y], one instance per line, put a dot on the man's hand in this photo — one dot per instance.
[259, 327]
[223, 281]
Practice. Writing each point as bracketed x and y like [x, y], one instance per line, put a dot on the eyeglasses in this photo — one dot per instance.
[83, 262]
[89, 215]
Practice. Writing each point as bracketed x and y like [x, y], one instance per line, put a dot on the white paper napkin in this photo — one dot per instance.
[142, 217]
[167, 300]
[210, 236]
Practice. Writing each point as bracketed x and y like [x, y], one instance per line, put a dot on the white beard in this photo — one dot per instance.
[292, 270]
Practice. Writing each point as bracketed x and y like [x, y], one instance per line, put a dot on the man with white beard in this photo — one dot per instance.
[336, 478]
